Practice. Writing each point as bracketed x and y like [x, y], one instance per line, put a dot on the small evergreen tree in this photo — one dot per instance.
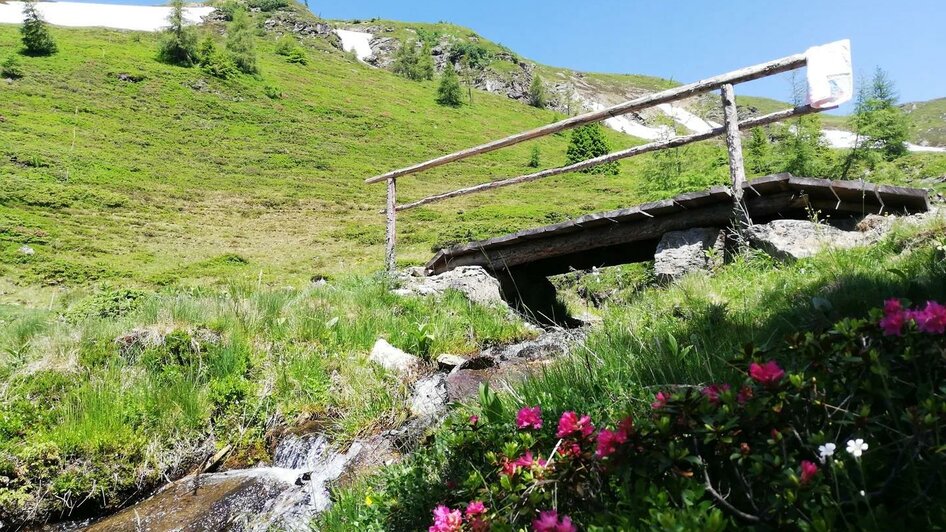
[10, 68]
[801, 149]
[536, 158]
[425, 64]
[449, 93]
[179, 42]
[215, 61]
[759, 152]
[241, 43]
[537, 96]
[36, 38]
[413, 63]
[881, 126]
[588, 142]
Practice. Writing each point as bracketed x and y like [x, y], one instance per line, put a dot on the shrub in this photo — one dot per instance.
[272, 92]
[106, 304]
[535, 157]
[449, 93]
[229, 8]
[477, 55]
[241, 44]
[36, 38]
[10, 68]
[268, 5]
[413, 63]
[178, 44]
[288, 47]
[834, 430]
[588, 142]
[537, 96]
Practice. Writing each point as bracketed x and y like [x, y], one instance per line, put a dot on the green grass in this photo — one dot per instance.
[929, 121]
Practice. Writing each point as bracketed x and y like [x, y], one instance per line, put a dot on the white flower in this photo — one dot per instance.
[856, 447]
[826, 451]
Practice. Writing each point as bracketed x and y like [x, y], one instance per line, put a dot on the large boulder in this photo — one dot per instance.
[797, 239]
[393, 359]
[430, 396]
[473, 281]
[682, 252]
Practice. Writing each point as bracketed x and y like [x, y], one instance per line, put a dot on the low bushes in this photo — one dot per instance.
[841, 429]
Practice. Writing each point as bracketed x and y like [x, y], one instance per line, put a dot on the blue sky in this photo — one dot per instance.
[689, 39]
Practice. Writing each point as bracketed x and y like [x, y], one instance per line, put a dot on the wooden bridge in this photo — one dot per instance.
[631, 235]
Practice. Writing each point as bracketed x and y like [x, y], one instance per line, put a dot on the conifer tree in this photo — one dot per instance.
[881, 126]
[588, 142]
[179, 42]
[449, 93]
[241, 43]
[759, 152]
[36, 38]
[537, 97]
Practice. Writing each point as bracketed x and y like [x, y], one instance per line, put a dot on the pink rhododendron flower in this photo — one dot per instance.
[529, 418]
[892, 306]
[475, 508]
[527, 461]
[474, 420]
[892, 324]
[570, 424]
[549, 521]
[745, 393]
[769, 373]
[713, 391]
[808, 471]
[608, 442]
[569, 449]
[446, 520]
[932, 319]
[660, 400]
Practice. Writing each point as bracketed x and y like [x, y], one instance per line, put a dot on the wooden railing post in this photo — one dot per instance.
[737, 170]
[391, 235]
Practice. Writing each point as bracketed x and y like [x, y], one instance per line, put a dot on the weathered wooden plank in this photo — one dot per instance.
[737, 170]
[391, 233]
[611, 157]
[617, 234]
[777, 66]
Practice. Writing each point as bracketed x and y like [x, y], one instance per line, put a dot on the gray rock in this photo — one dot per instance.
[430, 396]
[447, 362]
[472, 281]
[682, 252]
[393, 359]
[27, 250]
[797, 239]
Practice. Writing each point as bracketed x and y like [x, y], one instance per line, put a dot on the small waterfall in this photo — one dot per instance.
[284, 496]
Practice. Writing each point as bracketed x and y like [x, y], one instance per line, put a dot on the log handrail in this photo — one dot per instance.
[742, 75]
[731, 129]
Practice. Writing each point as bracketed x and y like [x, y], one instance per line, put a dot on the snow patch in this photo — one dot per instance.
[686, 118]
[121, 17]
[837, 138]
[357, 41]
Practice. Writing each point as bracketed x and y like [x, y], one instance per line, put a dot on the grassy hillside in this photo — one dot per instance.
[106, 178]
[929, 121]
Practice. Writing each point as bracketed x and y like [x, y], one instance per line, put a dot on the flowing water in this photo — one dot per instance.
[284, 496]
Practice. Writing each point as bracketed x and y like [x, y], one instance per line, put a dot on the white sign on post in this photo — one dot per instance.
[830, 75]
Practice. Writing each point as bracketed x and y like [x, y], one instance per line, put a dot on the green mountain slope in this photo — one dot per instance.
[929, 121]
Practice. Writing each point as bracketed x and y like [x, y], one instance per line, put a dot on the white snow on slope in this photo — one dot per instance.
[837, 138]
[687, 119]
[358, 41]
[122, 17]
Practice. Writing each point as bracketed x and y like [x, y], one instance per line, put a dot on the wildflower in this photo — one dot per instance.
[808, 471]
[856, 447]
[769, 373]
[368, 500]
[660, 400]
[569, 449]
[446, 520]
[713, 391]
[932, 319]
[745, 393]
[474, 420]
[570, 424]
[475, 508]
[529, 418]
[892, 324]
[526, 461]
[826, 451]
[892, 306]
[608, 442]
[549, 521]
[744, 449]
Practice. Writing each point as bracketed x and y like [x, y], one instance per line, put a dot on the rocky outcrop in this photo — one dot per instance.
[682, 252]
[393, 359]
[798, 239]
[473, 281]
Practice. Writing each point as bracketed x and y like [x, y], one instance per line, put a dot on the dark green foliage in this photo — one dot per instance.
[10, 68]
[800, 148]
[288, 47]
[479, 56]
[535, 157]
[36, 38]
[413, 62]
[449, 93]
[179, 41]
[429, 37]
[881, 125]
[106, 304]
[268, 5]
[537, 95]
[272, 92]
[588, 142]
[228, 8]
[215, 61]
[758, 151]
[241, 43]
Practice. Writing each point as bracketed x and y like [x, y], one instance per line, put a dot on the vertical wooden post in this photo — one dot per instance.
[737, 170]
[391, 213]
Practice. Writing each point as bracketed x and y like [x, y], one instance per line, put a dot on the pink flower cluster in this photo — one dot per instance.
[713, 391]
[448, 520]
[610, 440]
[571, 425]
[529, 418]
[808, 471]
[526, 461]
[768, 374]
[549, 521]
[931, 319]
